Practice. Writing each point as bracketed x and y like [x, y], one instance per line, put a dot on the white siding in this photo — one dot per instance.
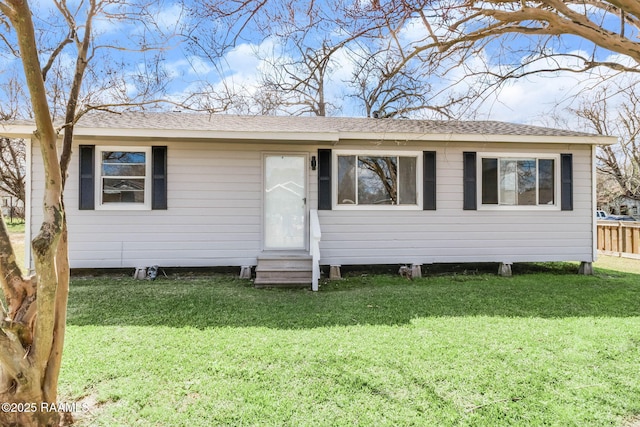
[214, 215]
[451, 234]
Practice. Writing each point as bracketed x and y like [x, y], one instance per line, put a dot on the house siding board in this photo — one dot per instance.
[212, 220]
[214, 215]
[451, 234]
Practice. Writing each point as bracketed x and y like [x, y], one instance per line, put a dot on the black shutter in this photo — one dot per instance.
[429, 178]
[159, 177]
[87, 177]
[566, 182]
[324, 179]
[469, 181]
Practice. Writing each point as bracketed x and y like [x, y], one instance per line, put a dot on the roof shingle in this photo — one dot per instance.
[223, 122]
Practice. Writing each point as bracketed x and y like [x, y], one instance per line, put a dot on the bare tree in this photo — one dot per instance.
[27, 344]
[619, 163]
[33, 321]
[12, 152]
[386, 90]
[610, 25]
[301, 80]
[317, 41]
[12, 167]
[487, 42]
[527, 37]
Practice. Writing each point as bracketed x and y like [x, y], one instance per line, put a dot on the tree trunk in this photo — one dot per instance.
[31, 332]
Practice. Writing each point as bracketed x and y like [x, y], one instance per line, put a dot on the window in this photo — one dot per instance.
[378, 181]
[519, 181]
[97, 168]
[124, 178]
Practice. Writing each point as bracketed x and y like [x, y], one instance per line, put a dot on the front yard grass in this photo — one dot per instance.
[545, 347]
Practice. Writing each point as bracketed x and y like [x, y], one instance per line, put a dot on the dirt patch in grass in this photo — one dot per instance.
[634, 421]
[86, 411]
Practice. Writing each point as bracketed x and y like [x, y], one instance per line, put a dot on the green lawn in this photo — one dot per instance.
[15, 225]
[545, 347]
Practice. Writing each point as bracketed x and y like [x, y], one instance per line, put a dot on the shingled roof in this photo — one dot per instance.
[224, 122]
[291, 128]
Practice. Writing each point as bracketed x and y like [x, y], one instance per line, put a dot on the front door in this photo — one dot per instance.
[285, 201]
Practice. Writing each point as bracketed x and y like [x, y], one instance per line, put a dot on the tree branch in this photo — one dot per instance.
[81, 65]
[44, 244]
[14, 285]
[12, 357]
[54, 55]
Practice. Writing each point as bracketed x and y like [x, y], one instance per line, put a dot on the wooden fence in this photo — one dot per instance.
[619, 238]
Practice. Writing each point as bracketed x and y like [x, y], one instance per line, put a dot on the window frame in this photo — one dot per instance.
[556, 206]
[374, 153]
[99, 205]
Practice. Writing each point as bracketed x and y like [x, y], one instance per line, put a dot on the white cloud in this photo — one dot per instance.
[239, 72]
[413, 31]
[103, 26]
[242, 61]
[170, 18]
[537, 99]
[191, 66]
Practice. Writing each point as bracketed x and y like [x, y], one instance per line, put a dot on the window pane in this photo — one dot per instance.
[123, 163]
[346, 180]
[518, 182]
[546, 182]
[527, 182]
[408, 195]
[122, 190]
[123, 157]
[377, 180]
[109, 169]
[508, 182]
[119, 169]
[490, 181]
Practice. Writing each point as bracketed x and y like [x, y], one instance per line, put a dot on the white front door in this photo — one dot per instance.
[285, 201]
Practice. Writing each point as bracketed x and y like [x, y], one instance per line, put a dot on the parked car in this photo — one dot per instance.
[619, 218]
[601, 215]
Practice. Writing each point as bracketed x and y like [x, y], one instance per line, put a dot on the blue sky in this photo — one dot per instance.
[529, 100]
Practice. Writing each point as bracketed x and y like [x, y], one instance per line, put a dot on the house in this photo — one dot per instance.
[11, 206]
[623, 205]
[191, 190]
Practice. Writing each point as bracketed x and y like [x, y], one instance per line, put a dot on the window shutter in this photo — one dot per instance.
[324, 179]
[469, 181]
[566, 182]
[429, 178]
[159, 177]
[87, 177]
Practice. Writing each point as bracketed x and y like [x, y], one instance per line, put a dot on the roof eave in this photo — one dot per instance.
[17, 131]
[26, 131]
[335, 137]
[206, 134]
